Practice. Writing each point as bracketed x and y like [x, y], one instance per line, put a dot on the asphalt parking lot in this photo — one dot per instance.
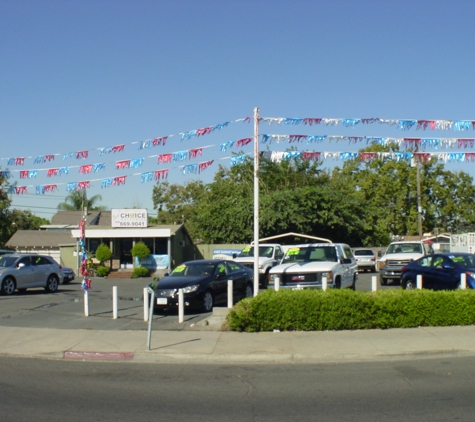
[65, 309]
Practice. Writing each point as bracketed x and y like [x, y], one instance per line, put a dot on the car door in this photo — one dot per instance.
[349, 268]
[238, 276]
[42, 268]
[446, 274]
[220, 283]
[24, 275]
[426, 269]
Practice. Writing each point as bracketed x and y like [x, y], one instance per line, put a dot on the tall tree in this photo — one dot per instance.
[176, 203]
[5, 213]
[78, 200]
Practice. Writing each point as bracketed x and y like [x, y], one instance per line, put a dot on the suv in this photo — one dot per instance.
[270, 255]
[398, 255]
[304, 266]
[23, 271]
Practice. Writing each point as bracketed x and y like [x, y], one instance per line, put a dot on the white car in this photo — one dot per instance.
[24, 271]
[304, 266]
[366, 259]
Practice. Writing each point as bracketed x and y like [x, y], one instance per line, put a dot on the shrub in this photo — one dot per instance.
[102, 271]
[140, 272]
[103, 253]
[140, 250]
[317, 310]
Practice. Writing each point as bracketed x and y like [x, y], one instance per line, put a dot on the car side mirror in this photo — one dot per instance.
[346, 261]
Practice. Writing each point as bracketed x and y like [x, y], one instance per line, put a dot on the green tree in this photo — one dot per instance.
[5, 213]
[140, 250]
[103, 253]
[176, 203]
[78, 200]
[388, 189]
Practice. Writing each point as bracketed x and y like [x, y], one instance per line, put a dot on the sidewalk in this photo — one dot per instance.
[224, 347]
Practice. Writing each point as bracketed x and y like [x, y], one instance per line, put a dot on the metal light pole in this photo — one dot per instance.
[419, 197]
[256, 201]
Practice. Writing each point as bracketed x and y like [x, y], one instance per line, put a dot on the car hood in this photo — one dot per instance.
[298, 267]
[180, 282]
[402, 256]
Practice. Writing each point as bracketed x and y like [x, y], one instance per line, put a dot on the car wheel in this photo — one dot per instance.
[383, 281]
[8, 286]
[52, 284]
[208, 301]
[337, 283]
[373, 269]
[248, 291]
[409, 285]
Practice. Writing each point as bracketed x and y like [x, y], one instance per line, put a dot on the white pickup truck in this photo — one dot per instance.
[398, 255]
[304, 266]
[270, 255]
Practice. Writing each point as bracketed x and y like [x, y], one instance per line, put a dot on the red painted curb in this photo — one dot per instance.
[98, 355]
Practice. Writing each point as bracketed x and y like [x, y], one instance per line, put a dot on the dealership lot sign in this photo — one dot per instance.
[129, 218]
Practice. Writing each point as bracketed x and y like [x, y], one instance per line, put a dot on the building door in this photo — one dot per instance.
[125, 253]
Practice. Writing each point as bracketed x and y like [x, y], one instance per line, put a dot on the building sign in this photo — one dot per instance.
[225, 253]
[153, 262]
[129, 218]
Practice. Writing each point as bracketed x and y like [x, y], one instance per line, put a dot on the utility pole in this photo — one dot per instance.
[419, 196]
[256, 201]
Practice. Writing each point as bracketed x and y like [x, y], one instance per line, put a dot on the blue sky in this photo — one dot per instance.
[85, 75]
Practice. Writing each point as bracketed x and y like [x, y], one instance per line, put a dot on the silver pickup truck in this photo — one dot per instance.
[398, 255]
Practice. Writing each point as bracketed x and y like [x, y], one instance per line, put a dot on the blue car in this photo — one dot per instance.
[440, 271]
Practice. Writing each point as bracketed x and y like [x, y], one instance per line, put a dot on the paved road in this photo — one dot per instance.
[429, 390]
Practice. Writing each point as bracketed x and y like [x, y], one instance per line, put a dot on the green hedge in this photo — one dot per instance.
[317, 310]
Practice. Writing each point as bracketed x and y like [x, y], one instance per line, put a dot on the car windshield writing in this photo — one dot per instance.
[465, 261]
[7, 261]
[311, 253]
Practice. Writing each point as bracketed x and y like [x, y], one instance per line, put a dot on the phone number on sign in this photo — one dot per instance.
[132, 224]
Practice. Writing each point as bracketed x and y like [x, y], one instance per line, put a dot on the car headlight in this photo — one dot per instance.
[191, 289]
[328, 275]
[382, 264]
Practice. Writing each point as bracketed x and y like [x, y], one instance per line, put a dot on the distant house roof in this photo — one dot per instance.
[72, 218]
[40, 238]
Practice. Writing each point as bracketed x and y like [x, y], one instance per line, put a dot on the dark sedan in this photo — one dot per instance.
[204, 284]
[440, 271]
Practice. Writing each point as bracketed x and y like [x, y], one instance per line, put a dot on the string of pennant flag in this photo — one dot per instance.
[275, 156]
[197, 168]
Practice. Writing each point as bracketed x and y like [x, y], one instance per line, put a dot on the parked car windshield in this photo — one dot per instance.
[363, 252]
[404, 248]
[7, 261]
[193, 270]
[310, 253]
[265, 251]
